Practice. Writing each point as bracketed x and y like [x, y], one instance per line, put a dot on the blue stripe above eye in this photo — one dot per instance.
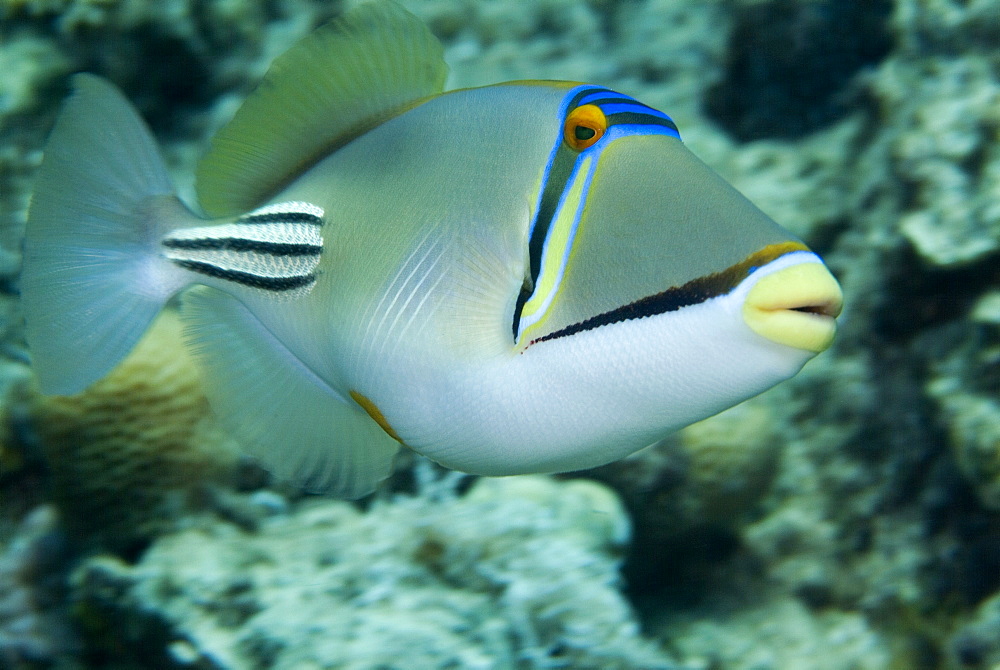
[652, 128]
[624, 112]
[626, 106]
[552, 229]
[604, 94]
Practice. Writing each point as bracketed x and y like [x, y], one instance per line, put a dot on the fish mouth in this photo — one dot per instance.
[796, 306]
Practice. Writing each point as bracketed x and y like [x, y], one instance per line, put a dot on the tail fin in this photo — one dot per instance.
[93, 279]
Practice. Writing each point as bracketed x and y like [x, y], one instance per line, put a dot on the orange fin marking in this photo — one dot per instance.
[376, 414]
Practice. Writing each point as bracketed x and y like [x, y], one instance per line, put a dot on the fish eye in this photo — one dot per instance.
[584, 126]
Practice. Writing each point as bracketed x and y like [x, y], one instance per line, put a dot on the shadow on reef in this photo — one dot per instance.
[789, 63]
[914, 301]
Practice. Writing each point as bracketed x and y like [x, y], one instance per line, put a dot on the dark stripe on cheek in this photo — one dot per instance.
[555, 185]
[696, 291]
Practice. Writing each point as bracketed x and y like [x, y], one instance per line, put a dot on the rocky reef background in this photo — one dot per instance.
[847, 519]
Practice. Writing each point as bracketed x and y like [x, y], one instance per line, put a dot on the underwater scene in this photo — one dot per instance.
[500, 334]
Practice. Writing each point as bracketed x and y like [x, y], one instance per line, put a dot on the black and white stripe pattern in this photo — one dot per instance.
[624, 110]
[274, 248]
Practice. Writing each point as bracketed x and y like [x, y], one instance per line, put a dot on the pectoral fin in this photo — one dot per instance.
[283, 413]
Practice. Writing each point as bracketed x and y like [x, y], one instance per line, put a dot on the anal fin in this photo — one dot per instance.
[285, 415]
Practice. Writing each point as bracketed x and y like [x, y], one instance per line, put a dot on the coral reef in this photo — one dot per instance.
[946, 107]
[690, 494]
[848, 519]
[977, 644]
[967, 399]
[35, 629]
[518, 573]
[883, 501]
[129, 456]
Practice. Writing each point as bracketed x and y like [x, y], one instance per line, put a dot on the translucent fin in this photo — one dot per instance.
[284, 414]
[92, 279]
[346, 77]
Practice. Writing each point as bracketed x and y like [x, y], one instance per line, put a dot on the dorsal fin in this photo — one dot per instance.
[337, 82]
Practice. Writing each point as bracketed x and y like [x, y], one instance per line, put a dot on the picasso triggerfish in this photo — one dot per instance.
[535, 276]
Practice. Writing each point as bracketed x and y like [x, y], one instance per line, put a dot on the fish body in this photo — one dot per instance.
[525, 277]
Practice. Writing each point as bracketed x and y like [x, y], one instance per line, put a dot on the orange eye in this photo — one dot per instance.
[584, 126]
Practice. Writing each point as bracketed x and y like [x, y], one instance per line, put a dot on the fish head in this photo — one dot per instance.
[650, 259]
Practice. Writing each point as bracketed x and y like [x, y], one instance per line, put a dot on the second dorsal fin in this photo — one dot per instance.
[344, 78]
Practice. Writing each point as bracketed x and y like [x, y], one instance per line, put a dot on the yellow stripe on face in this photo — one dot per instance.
[558, 250]
[591, 117]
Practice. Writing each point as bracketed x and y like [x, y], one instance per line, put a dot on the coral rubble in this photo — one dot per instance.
[518, 573]
[35, 628]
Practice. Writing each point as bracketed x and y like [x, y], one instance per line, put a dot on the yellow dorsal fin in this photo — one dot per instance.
[344, 78]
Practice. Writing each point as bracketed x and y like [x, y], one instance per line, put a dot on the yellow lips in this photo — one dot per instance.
[796, 306]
